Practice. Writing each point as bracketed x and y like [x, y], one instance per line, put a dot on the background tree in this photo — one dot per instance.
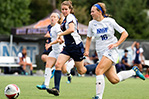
[39, 9]
[13, 13]
[131, 15]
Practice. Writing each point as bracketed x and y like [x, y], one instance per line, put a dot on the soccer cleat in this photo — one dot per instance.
[53, 72]
[69, 78]
[41, 87]
[53, 91]
[96, 97]
[138, 73]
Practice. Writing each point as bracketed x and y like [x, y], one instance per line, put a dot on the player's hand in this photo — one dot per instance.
[112, 46]
[47, 46]
[86, 53]
[60, 41]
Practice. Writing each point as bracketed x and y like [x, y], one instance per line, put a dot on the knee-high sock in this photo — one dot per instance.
[100, 85]
[126, 74]
[47, 76]
[57, 78]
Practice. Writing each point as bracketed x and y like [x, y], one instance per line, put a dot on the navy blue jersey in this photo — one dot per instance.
[125, 59]
[73, 38]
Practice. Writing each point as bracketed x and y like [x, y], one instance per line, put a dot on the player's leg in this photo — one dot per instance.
[23, 64]
[69, 66]
[101, 68]
[114, 78]
[44, 57]
[80, 67]
[62, 59]
[49, 64]
[140, 67]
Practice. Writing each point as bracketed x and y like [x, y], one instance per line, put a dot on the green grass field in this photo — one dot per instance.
[80, 88]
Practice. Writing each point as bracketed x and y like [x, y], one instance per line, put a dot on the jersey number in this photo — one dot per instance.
[104, 37]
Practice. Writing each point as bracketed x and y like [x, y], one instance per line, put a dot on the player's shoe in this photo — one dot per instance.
[96, 97]
[53, 72]
[53, 91]
[138, 73]
[41, 87]
[69, 78]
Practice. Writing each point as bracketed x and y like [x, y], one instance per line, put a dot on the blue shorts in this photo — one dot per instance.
[137, 62]
[74, 51]
[47, 51]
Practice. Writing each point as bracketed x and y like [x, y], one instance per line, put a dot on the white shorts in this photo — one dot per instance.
[70, 64]
[111, 54]
[54, 54]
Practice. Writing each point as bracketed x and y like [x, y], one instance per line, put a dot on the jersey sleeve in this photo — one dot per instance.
[141, 50]
[20, 55]
[118, 27]
[70, 18]
[89, 31]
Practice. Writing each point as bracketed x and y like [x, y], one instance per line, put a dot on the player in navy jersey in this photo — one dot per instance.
[125, 60]
[103, 29]
[73, 46]
[138, 55]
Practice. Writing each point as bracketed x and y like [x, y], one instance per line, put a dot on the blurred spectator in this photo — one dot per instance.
[94, 57]
[24, 61]
[137, 51]
[120, 67]
[125, 60]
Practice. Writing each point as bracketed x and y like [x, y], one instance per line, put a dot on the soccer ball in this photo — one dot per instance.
[12, 91]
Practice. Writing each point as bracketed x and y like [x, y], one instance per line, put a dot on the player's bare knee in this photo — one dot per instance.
[99, 71]
[58, 66]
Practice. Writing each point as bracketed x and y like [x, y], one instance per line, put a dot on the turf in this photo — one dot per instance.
[80, 88]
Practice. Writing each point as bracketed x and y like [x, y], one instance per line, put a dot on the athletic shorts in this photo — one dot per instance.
[74, 51]
[54, 54]
[111, 54]
[47, 51]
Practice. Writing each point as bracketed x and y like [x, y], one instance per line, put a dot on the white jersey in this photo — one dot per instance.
[103, 32]
[55, 30]
[75, 35]
[27, 59]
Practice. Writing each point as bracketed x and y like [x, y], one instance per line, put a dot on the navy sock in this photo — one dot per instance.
[57, 78]
[91, 68]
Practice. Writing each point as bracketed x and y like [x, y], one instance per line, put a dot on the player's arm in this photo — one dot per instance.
[87, 45]
[123, 61]
[124, 35]
[47, 35]
[132, 46]
[70, 30]
[50, 44]
[142, 60]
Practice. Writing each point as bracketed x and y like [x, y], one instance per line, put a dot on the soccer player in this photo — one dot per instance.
[138, 55]
[103, 28]
[73, 46]
[54, 30]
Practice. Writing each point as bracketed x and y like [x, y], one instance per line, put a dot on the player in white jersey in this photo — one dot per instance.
[56, 48]
[102, 28]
